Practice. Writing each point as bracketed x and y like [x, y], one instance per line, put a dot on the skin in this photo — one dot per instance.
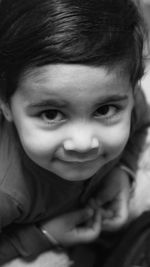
[72, 119]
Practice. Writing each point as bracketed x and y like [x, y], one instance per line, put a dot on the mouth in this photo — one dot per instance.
[78, 161]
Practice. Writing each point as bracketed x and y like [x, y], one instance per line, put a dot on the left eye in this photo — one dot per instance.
[106, 111]
[52, 116]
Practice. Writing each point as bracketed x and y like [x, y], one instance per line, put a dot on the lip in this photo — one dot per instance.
[78, 161]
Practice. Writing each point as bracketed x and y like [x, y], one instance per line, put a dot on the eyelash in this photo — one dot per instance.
[116, 110]
[51, 111]
[98, 115]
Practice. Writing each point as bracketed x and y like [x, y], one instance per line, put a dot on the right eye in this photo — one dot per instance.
[52, 116]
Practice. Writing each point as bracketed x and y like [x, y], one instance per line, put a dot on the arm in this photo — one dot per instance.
[28, 241]
[24, 240]
[8, 248]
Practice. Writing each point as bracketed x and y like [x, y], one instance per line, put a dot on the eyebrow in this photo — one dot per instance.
[113, 98]
[47, 102]
[57, 103]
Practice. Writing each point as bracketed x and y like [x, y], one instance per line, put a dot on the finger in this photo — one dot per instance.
[107, 213]
[120, 215]
[93, 204]
[86, 234]
[80, 216]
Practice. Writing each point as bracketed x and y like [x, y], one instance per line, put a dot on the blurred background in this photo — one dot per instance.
[146, 78]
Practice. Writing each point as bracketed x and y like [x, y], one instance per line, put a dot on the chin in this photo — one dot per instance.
[77, 175]
[75, 172]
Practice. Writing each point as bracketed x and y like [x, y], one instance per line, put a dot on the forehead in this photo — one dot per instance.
[71, 80]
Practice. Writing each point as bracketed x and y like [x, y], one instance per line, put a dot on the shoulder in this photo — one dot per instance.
[9, 209]
[12, 181]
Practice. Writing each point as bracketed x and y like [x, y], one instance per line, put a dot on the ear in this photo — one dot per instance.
[6, 110]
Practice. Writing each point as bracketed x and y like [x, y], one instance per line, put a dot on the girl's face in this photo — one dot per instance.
[72, 119]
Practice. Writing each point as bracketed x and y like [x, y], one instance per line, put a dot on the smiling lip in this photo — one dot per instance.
[78, 161]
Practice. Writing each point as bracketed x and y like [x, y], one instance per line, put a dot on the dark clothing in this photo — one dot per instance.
[133, 247]
[30, 194]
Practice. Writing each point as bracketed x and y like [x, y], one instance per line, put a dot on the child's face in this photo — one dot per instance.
[72, 119]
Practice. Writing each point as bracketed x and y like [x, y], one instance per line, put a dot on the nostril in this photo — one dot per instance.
[83, 155]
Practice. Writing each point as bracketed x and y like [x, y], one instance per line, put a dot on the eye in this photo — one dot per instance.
[106, 111]
[52, 116]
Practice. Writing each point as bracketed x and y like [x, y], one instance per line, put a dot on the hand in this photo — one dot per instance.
[45, 259]
[81, 226]
[113, 200]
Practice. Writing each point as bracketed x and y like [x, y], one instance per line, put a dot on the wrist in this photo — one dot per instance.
[48, 235]
[54, 243]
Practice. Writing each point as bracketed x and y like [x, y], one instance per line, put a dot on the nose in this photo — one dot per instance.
[84, 146]
[82, 140]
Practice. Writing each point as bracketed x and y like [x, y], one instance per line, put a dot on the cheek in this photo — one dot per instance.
[117, 140]
[38, 143]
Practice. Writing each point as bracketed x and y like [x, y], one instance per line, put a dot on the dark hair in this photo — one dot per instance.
[91, 32]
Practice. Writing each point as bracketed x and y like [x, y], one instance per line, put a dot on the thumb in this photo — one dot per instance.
[87, 233]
